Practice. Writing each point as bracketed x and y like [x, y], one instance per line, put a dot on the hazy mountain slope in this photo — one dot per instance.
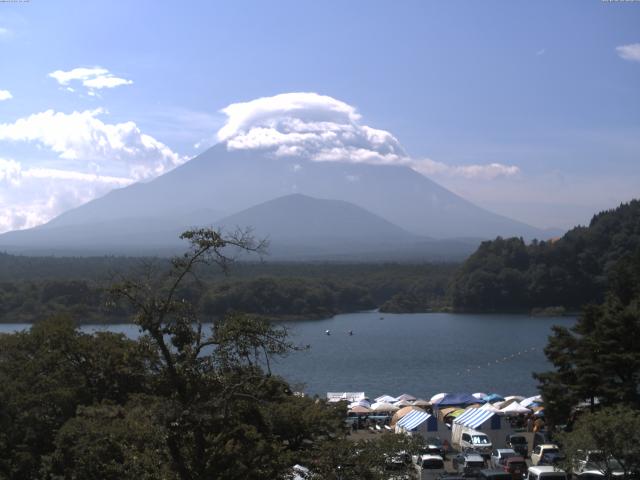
[303, 219]
[229, 181]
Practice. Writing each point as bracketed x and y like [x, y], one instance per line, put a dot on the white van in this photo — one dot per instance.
[477, 441]
[546, 472]
[428, 467]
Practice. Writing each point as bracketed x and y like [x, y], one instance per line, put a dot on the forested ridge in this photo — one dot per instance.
[34, 288]
[575, 270]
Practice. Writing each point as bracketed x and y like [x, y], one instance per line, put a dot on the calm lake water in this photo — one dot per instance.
[421, 354]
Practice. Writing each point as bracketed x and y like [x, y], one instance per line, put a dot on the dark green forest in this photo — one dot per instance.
[33, 288]
[570, 272]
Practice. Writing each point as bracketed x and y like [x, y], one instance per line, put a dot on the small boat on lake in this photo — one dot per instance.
[327, 332]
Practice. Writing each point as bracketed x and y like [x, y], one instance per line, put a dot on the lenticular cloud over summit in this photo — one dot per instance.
[308, 125]
[323, 129]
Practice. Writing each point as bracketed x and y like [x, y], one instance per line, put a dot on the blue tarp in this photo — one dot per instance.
[453, 399]
[494, 397]
[413, 419]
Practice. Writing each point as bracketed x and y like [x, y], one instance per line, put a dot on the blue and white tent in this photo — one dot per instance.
[487, 421]
[417, 421]
[475, 417]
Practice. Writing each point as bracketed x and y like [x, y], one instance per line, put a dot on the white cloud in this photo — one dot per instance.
[5, 95]
[93, 157]
[321, 128]
[34, 195]
[94, 78]
[489, 171]
[82, 137]
[629, 52]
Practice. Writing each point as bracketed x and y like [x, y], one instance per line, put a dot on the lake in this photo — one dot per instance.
[421, 354]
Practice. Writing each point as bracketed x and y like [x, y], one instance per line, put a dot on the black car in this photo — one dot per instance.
[518, 443]
[552, 459]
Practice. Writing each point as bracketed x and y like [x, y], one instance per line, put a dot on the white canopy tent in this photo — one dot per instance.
[383, 407]
[345, 396]
[515, 409]
[437, 396]
[528, 401]
[385, 398]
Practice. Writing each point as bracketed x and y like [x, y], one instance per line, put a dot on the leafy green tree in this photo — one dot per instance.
[364, 459]
[50, 370]
[599, 357]
[212, 382]
[111, 442]
[612, 435]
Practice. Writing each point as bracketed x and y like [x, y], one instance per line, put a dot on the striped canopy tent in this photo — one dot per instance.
[402, 403]
[473, 405]
[515, 409]
[402, 412]
[412, 420]
[383, 407]
[474, 418]
[456, 413]
[360, 410]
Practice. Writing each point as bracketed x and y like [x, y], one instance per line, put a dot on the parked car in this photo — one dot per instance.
[546, 472]
[593, 464]
[499, 455]
[494, 475]
[539, 438]
[552, 458]
[468, 464]
[428, 467]
[516, 466]
[519, 443]
[542, 449]
[434, 446]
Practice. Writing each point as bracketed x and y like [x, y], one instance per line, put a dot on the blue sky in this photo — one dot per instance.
[548, 91]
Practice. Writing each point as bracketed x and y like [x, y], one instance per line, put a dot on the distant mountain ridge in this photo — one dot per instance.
[220, 184]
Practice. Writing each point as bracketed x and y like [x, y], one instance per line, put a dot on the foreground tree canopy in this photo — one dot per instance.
[184, 401]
